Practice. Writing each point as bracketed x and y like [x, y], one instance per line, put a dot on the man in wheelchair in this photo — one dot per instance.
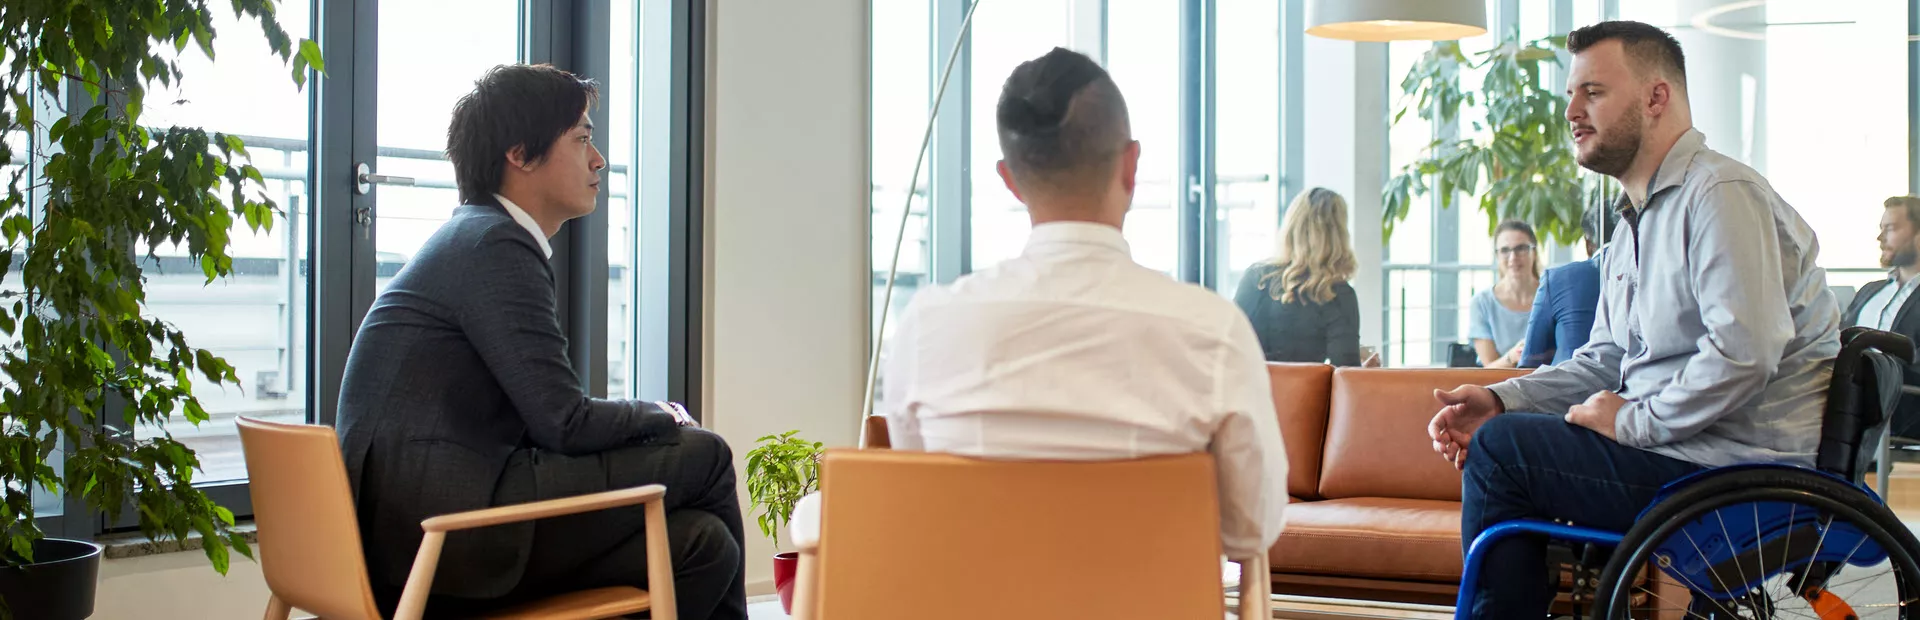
[1713, 344]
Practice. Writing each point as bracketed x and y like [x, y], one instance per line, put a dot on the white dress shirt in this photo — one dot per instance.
[526, 221]
[1073, 352]
[1885, 304]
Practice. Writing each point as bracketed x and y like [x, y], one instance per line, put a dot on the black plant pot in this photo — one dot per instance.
[59, 584]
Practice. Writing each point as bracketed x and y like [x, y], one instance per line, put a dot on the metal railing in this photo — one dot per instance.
[229, 317]
[1399, 308]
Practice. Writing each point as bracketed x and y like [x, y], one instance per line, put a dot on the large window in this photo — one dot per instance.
[1247, 177]
[1232, 72]
[1834, 152]
[621, 97]
[258, 318]
[903, 52]
[1005, 34]
[1144, 58]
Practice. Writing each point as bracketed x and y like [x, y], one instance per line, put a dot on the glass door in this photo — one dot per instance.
[428, 58]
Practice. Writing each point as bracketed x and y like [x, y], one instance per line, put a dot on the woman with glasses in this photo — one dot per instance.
[1499, 319]
[1299, 301]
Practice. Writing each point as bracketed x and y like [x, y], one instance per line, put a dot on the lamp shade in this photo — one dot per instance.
[1397, 20]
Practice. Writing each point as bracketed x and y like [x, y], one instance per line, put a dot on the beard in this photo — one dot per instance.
[1900, 258]
[1614, 152]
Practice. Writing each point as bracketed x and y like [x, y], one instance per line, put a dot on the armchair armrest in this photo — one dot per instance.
[544, 509]
[413, 598]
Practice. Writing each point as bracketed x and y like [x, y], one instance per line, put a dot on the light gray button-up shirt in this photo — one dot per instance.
[1714, 323]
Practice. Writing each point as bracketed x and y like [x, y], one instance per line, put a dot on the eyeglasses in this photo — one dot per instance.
[1518, 249]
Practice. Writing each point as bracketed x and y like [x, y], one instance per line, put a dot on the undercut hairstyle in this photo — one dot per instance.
[528, 106]
[1650, 49]
[1909, 206]
[1062, 123]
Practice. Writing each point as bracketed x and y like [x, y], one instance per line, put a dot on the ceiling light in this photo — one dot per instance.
[1397, 20]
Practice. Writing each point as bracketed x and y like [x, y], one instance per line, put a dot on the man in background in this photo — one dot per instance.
[1887, 305]
[1563, 307]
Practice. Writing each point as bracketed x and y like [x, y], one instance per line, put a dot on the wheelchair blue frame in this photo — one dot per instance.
[1775, 524]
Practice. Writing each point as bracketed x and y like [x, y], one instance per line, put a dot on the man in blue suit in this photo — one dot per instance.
[1563, 307]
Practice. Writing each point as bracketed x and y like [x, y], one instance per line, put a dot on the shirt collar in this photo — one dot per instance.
[1893, 278]
[526, 221]
[1673, 169]
[1056, 237]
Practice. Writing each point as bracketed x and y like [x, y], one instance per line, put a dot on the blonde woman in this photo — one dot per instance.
[1301, 306]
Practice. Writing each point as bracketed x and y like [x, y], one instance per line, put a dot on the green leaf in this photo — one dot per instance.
[299, 71]
[217, 554]
[239, 543]
[310, 53]
[204, 38]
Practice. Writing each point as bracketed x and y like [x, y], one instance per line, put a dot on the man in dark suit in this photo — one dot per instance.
[458, 394]
[1888, 304]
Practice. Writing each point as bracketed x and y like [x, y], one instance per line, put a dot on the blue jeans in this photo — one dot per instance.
[1530, 465]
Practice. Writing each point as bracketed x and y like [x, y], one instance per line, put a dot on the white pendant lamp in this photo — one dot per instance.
[1397, 20]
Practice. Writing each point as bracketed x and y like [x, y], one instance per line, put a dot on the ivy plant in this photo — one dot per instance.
[1522, 151]
[781, 470]
[82, 215]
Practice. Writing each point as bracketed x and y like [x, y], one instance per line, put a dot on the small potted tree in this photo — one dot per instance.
[79, 216]
[781, 470]
[1519, 154]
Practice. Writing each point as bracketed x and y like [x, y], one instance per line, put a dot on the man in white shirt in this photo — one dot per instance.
[1072, 351]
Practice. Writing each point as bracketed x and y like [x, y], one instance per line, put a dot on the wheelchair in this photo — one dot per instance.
[1760, 541]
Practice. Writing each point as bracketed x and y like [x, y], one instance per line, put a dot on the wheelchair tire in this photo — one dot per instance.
[1832, 498]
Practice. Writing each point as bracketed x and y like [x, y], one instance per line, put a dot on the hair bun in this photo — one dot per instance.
[1041, 90]
[1036, 111]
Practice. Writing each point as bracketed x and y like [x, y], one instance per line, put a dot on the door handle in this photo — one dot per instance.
[365, 179]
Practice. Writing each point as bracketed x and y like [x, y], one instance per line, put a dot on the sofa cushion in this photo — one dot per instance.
[1377, 444]
[1372, 537]
[1301, 393]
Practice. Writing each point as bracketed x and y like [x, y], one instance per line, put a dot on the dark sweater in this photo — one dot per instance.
[1302, 331]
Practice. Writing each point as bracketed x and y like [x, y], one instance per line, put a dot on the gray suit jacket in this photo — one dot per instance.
[460, 365]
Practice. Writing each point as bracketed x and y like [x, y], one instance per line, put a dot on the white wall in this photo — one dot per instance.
[1346, 147]
[786, 229]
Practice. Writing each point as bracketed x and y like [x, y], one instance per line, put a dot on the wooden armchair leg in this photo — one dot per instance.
[663, 604]
[1256, 589]
[278, 609]
[806, 587]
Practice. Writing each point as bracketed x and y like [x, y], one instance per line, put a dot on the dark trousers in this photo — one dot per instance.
[608, 547]
[1530, 465]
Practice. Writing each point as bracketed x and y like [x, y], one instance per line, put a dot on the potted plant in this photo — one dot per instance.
[781, 470]
[1525, 157]
[79, 221]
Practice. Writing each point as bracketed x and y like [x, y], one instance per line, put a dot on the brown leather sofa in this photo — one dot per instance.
[1375, 513]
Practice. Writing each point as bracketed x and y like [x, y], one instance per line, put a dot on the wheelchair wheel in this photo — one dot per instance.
[1764, 543]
